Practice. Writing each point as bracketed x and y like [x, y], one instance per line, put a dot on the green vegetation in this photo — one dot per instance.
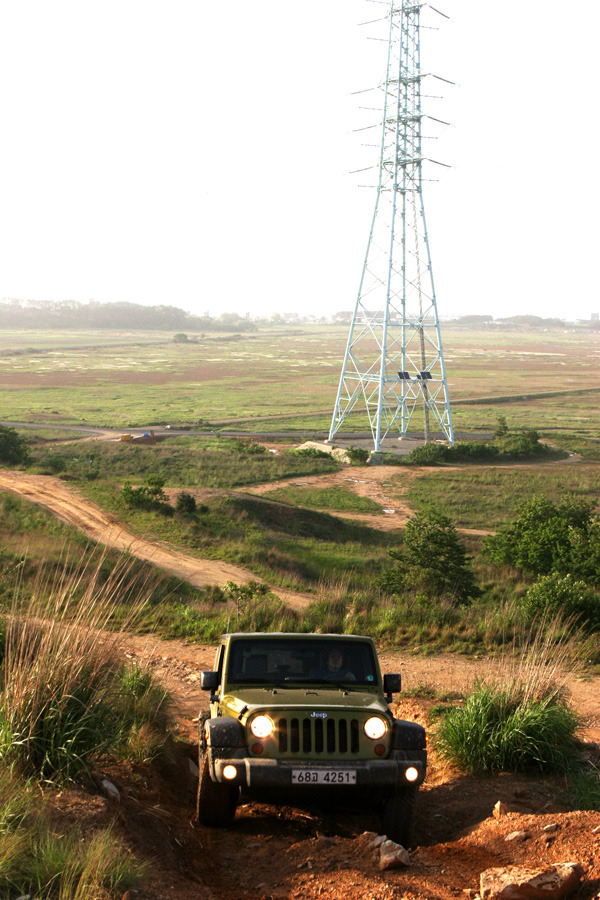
[37, 860]
[489, 497]
[13, 450]
[433, 560]
[547, 537]
[107, 378]
[336, 499]
[584, 789]
[520, 721]
[562, 595]
[504, 448]
[67, 699]
[497, 731]
[149, 496]
[186, 462]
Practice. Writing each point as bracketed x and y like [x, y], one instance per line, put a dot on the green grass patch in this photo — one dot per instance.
[487, 498]
[519, 721]
[186, 462]
[583, 790]
[497, 732]
[335, 498]
[36, 859]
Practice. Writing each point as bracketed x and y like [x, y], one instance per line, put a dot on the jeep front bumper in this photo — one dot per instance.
[266, 773]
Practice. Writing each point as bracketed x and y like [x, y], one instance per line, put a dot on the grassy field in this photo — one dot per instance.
[123, 380]
[293, 538]
[487, 497]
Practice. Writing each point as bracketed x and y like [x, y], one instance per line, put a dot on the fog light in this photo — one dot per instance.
[257, 748]
[229, 772]
[412, 774]
[379, 749]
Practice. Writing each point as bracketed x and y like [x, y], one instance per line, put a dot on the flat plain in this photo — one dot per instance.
[286, 379]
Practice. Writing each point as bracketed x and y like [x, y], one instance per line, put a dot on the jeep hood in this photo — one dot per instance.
[303, 699]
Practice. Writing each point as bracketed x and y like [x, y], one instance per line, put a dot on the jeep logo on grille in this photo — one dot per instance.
[317, 715]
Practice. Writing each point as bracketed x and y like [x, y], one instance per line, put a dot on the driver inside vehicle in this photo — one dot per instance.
[334, 668]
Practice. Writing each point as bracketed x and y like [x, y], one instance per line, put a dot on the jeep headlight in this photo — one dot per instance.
[375, 728]
[261, 726]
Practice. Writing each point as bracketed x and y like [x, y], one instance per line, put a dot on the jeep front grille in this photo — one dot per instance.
[315, 735]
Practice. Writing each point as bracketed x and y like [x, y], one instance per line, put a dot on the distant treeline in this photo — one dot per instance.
[117, 316]
[523, 321]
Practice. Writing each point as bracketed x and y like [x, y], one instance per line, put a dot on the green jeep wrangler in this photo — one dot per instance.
[295, 714]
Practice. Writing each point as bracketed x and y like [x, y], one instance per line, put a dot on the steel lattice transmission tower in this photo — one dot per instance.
[394, 364]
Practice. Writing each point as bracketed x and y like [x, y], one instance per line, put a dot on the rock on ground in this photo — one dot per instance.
[520, 883]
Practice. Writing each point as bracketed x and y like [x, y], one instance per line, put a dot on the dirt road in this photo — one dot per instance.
[70, 507]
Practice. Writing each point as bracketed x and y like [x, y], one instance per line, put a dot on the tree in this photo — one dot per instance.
[13, 450]
[547, 538]
[501, 427]
[432, 559]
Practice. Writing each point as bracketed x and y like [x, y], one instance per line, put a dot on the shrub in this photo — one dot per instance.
[312, 452]
[431, 559]
[56, 464]
[547, 538]
[149, 496]
[471, 451]
[13, 450]
[358, 456]
[249, 447]
[428, 455]
[498, 730]
[501, 427]
[562, 595]
[186, 503]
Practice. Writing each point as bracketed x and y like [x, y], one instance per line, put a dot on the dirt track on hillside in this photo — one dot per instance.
[276, 853]
[70, 507]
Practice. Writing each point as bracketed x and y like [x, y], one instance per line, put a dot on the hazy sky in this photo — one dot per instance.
[198, 153]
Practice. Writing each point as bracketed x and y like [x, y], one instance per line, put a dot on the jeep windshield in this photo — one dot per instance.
[301, 661]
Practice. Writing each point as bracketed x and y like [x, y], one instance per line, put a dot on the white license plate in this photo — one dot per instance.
[323, 776]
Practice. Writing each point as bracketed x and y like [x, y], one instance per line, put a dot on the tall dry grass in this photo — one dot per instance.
[65, 698]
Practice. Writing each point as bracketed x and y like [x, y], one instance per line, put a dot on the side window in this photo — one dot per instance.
[219, 662]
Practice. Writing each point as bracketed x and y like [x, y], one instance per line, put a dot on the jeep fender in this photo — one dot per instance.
[225, 739]
[408, 736]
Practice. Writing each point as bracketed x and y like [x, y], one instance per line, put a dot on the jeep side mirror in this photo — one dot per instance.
[209, 681]
[392, 684]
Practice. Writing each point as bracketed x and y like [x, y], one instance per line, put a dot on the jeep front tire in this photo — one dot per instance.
[217, 802]
[398, 815]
